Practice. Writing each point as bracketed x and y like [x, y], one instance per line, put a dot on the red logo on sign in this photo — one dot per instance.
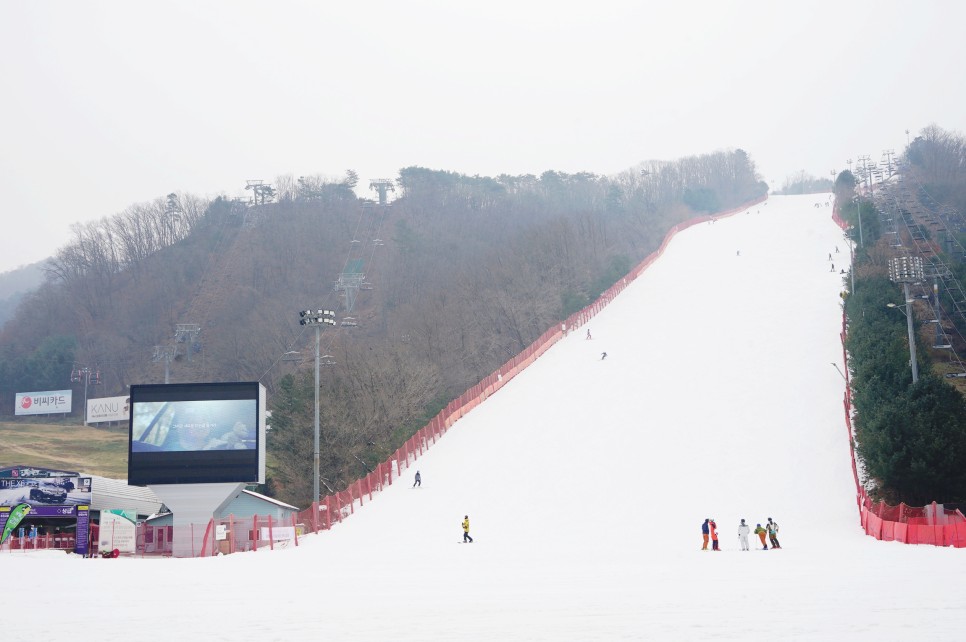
[26, 402]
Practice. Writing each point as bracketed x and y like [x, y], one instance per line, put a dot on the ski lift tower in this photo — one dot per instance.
[187, 333]
[382, 186]
[167, 354]
[906, 270]
[350, 281]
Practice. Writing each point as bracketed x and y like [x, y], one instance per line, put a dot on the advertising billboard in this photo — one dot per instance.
[192, 433]
[47, 496]
[108, 409]
[42, 403]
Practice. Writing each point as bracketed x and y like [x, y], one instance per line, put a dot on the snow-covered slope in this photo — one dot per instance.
[586, 481]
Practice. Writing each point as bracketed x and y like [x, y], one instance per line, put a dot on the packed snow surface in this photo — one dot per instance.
[586, 482]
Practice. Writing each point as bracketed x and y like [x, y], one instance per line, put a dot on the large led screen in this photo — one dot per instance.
[197, 433]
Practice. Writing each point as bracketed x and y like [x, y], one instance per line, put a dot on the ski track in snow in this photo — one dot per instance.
[586, 482]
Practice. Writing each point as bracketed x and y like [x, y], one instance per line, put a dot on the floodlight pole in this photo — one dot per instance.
[318, 319]
[906, 270]
[912, 334]
[315, 424]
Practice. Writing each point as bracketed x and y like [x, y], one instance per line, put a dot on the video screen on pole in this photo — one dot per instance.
[196, 433]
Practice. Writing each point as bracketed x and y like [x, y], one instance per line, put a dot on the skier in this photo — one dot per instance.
[419, 480]
[704, 534]
[743, 531]
[466, 529]
[773, 533]
[588, 333]
[714, 535]
[603, 355]
[832, 268]
[760, 532]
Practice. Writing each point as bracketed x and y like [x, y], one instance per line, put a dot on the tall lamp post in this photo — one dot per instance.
[906, 270]
[318, 319]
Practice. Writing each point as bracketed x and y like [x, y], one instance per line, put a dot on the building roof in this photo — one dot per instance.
[110, 494]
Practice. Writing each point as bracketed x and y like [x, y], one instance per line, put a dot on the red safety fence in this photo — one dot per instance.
[933, 524]
[49, 541]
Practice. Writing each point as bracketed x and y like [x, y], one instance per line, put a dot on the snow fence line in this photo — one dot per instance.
[931, 524]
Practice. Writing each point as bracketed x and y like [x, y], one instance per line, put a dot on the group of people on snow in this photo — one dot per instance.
[709, 531]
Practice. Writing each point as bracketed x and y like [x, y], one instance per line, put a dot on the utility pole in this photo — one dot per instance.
[317, 319]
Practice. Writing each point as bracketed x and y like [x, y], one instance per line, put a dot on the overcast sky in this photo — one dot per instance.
[107, 104]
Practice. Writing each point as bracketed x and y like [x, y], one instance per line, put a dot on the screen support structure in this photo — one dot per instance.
[192, 507]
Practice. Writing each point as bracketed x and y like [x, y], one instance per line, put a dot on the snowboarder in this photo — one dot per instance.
[419, 480]
[704, 533]
[466, 529]
[773, 533]
[588, 333]
[714, 535]
[743, 531]
[760, 532]
[603, 355]
[833, 268]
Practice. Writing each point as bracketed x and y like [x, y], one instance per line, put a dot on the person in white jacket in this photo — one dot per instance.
[743, 531]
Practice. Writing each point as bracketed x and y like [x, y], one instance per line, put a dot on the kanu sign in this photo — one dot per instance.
[43, 403]
[108, 409]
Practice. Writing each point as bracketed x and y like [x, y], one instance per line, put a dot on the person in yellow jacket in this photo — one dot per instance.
[466, 529]
[760, 532]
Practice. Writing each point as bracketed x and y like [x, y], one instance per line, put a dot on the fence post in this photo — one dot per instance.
[254, 532]
[231, 533]
[295, 529]
[271, 537]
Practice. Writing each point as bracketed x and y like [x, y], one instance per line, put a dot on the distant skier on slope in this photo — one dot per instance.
[466, 529]
[704, 533]
[418, 481]
[773, 533]
[760, 532]
[603, 355]
[588, 333]
[743, 531]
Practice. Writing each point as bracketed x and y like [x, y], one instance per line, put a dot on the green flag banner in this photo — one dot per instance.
[16, 516]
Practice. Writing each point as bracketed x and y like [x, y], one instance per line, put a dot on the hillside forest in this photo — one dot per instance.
[436, 281]
[909, 434]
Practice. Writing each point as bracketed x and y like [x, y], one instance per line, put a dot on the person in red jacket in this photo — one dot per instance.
[714, 535]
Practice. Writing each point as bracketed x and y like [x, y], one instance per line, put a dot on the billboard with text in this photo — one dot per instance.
[108, 409]
[42, 403]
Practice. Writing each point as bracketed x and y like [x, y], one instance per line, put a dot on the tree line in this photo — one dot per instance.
[463, 272]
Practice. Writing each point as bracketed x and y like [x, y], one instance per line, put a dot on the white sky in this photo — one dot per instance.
[586, 482]
[110, 103]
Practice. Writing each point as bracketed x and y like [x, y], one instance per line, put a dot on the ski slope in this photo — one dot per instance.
[586, 482]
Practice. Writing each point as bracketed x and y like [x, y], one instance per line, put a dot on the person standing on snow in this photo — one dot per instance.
[760, 532]
[773, 533]
[419, 480]
[704, 533]
[714, 535]
[588, 333]
[743, 531]
[466, 529]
